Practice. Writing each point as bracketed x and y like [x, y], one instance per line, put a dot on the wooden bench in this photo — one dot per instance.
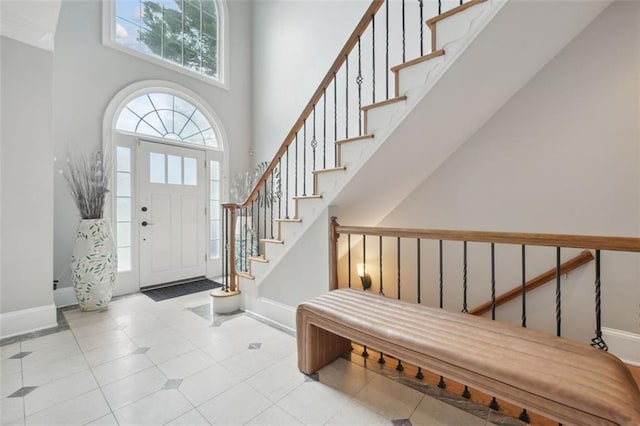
[567, 381]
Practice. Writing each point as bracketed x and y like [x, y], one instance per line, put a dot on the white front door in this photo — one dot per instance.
[171, 213]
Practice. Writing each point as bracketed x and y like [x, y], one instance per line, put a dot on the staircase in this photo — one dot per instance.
[481, 53]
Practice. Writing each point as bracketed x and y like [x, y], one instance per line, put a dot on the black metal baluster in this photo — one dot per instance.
[264, 200]
[314, 141]
[270, 202]
[346, 97]
[304, 158]
[278, 189]
[365, 354]
[359, 81]
[422, 24]
[253, 234]
[524, 288]
[257, 201]
[373, 58]
[381, 359]
[386, 68]
[324, 129]
[439, 7]
[286, 187]
[598, 341]
[349, 259]
[558, 295]
[464, 279]
[494, 402]
[524, 416]
[399, 367]
[441, 383]
[404, 56]
[245, 230]
[419, 374]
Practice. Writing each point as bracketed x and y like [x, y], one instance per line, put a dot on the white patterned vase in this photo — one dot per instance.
[94, 264]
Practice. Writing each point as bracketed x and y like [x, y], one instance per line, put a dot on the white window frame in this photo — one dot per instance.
[222, 81]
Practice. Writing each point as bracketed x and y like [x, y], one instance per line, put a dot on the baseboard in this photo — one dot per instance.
[278, 314]
[623, 344]
[65, 296]
[27, 320]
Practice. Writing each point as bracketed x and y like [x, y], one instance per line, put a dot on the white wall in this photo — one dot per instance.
[294, 44]
[562, 156]
[26, 287]
[88, 74]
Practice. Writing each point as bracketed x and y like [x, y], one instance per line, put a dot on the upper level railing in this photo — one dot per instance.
[390, 32]
[436, 267]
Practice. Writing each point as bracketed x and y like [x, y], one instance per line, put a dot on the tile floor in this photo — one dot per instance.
[146, 362]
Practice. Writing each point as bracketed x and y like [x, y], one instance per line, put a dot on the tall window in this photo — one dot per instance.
[182, 32]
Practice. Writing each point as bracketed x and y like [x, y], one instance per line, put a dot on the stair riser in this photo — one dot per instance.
[381, 117]
[413, 78]
[453, 29]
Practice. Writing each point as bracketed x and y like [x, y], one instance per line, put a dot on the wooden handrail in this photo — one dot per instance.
[317, 95]
[568, 266]
[629, 244]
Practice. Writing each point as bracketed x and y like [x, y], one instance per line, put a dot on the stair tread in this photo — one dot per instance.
[383, 103]
[432, 21]
[246, 275]
[270, 240]
[418, 60]
[260, 259]
[334, 169]
[293, 219]
[354, 139]
[308, 197]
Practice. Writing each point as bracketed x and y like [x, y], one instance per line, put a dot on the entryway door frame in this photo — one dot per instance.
[129, 280]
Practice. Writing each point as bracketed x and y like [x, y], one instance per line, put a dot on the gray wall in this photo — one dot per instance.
[294, 44]
[88, 74]
[26, 170]
[562, 156]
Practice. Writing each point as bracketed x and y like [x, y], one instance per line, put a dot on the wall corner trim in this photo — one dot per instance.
[27, 320]
[623, 344]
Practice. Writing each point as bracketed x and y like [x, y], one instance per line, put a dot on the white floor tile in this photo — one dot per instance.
[108, 353]
[276, 381]
[9, 350]
[280, 345]
[202, 337]
[120, 368]
[10, 366]
[80, 410]
[432, 412]
[186, 365]
[225, 348]
[10, 383]
[85, 330]
[135, 387]
[249, 362]
[165, 351]
[231, 407]
[44, 357]
[354, 413]
[58, 391]
[207, 384]
[108, 420]
[313, 403]
[390, 399]
[191, 418]
[274, 416]
[11, 411]
[61, 338]
[155, 409]
[56, 370]
[155, 337]
[106, 338]
[345, 376]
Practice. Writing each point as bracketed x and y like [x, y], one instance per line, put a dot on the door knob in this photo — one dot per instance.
[145, 223]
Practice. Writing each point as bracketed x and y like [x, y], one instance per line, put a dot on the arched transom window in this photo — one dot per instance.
[182, 32]
[165, 115]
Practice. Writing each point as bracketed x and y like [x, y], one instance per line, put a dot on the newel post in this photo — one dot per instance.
[333, 253]
[231, 241]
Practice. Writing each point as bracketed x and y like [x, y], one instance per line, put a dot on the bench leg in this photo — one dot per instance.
[318, 347]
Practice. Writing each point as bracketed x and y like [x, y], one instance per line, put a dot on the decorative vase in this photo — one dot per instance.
[94, 264]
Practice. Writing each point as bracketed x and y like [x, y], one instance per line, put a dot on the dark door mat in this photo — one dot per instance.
[178, 290]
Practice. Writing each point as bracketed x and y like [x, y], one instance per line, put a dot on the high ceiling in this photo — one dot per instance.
[30, 21]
